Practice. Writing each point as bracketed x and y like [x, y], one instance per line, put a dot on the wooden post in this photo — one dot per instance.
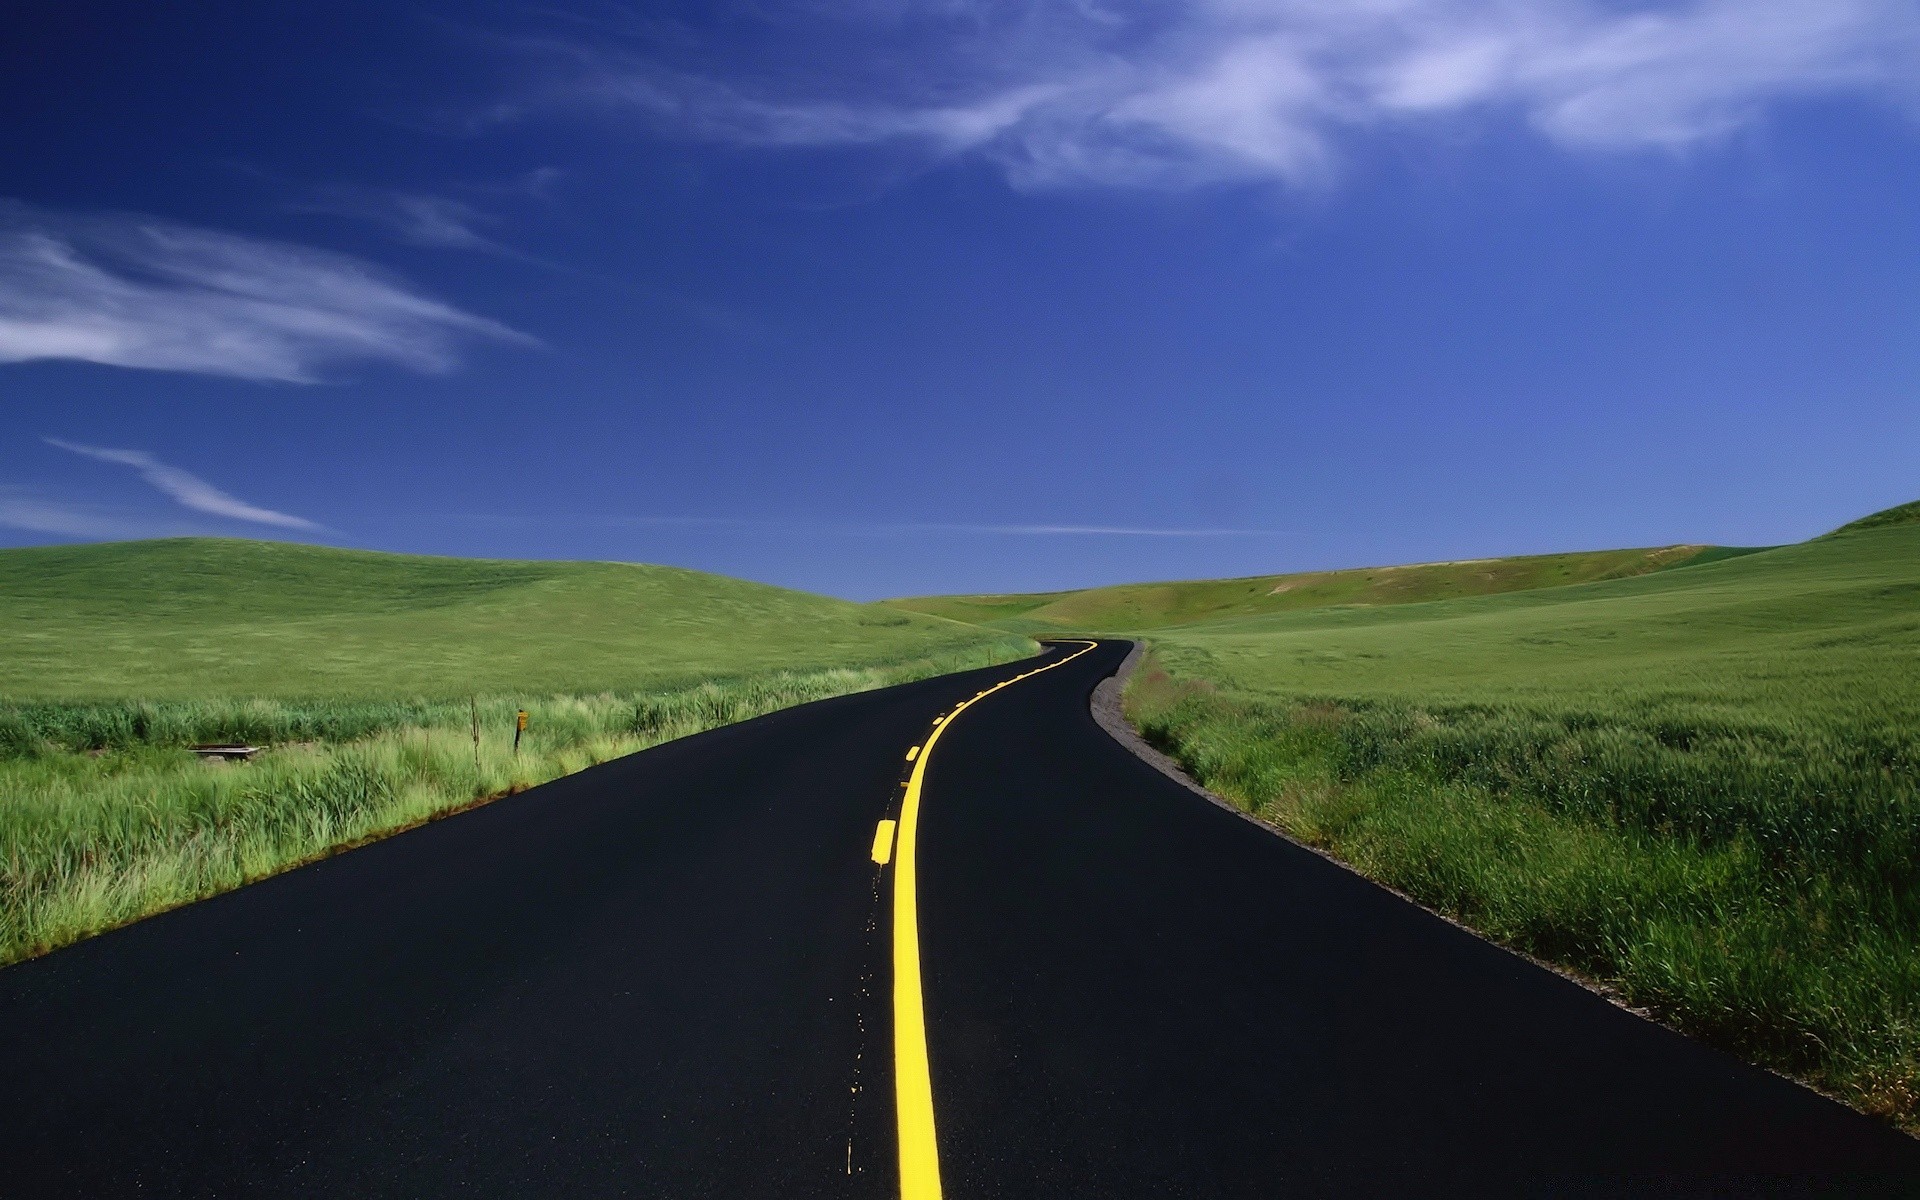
[473, 703]
[519, 727]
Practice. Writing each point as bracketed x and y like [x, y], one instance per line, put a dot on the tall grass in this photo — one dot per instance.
[1749, 873]
[106, 816]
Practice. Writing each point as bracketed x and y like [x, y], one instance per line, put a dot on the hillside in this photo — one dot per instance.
[1899, 514]
[386, 690]
[1699, 786]
[1830, 624]
[1143, 606]
[196, 618]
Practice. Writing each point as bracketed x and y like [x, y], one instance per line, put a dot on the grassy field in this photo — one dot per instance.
[362, 673]
[1141, 606]
[1700, 786]
[199, 618]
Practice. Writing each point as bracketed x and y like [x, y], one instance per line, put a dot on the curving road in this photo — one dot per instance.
[675, 975]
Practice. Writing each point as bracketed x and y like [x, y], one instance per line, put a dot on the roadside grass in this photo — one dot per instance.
[1700, 787]
[1137, 606]
[94, 838]
[358, 671]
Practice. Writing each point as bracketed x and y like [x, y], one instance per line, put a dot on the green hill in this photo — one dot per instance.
[1146, 606]
[1701, 786]
[1899, 514]
[197, 618]
[1832, 624]
[385, 690]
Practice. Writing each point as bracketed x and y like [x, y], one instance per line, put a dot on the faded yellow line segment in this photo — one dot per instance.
[912, 1081]
[883, 843]
[913, 752]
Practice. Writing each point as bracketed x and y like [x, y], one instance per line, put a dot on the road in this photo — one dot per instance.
[677, 975]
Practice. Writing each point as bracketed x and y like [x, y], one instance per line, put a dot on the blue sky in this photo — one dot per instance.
[877, 297]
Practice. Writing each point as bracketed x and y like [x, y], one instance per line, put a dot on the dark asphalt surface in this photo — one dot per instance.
[669, 976]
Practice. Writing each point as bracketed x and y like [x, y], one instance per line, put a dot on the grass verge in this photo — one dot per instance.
[1700, 787]
[107, 817]
[1753, 889]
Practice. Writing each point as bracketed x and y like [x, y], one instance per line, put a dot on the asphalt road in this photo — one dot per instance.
[671, 976]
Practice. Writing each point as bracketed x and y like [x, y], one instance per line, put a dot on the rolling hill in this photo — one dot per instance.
[381, 690]
[196, 618]
[1899, 514]
[1831, 625]
[1698, 785]
[1146, 606]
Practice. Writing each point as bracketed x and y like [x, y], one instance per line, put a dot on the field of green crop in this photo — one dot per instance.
[1142, 606]
[363, 674]
[1699, 786]
[200, 618]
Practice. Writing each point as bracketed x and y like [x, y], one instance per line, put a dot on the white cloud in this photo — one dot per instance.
[184, 487]
[1061, 92]
[134, 291]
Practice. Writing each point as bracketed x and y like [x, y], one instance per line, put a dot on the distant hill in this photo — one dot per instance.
[201, 617]
[1139, 606]
[1900, 514]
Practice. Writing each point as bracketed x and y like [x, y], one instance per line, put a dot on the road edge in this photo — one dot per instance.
[1108, 713]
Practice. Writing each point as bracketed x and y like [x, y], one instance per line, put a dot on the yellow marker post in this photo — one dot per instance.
[883, 843]
[912, 1079]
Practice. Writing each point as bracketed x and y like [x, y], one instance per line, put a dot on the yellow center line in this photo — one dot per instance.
[912, 1081]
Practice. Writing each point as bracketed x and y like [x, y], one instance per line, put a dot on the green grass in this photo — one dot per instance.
[1700, 786]
[196, 619]
[91, 841]
[1141, 606]
[358, 670]
[1900, 514]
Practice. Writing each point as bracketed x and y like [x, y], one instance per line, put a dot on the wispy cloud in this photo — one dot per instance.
[414, 217]
[135, 291]
[442, 222]
[186, 488]
[1066, 92]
